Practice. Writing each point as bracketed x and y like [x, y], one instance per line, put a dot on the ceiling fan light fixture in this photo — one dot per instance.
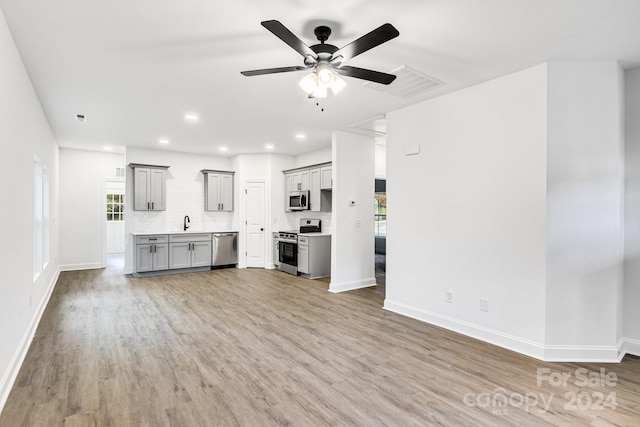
[319, 92]
[315, 89]
[309, 83]
[338, 84]
[325, 76]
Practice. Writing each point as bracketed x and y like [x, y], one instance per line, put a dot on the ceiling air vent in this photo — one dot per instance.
[409, 83]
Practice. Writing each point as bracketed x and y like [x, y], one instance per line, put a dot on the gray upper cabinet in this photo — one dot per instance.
[326, 178]
[314, 179]
[149, 187]
[218, 190]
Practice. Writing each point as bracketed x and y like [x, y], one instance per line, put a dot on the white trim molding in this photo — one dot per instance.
[352, 285]
[84, 266]
[629, 346]
[546, 353]
[11, 374]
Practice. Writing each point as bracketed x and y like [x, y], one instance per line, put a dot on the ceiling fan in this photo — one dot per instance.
[325, 60]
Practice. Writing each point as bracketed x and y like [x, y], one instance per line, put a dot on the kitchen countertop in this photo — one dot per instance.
[153, 233]
[324, 233]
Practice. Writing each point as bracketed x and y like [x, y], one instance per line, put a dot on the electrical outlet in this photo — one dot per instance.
[484, 304]
[358, 223]
[448, 297]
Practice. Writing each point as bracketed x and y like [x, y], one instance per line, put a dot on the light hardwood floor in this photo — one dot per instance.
[248, 347]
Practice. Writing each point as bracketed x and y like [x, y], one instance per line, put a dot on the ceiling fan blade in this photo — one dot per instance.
[272, 70]
[288, 37]
[364, 74]
[380, 35]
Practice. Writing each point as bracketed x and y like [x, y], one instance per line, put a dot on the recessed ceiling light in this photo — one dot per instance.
[81, 117]
[106, 147]
[191, 117]
[223, 149]
[268, 146]
[300, 136]
[163, 141]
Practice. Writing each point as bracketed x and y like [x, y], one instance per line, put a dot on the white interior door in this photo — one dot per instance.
[255, 233]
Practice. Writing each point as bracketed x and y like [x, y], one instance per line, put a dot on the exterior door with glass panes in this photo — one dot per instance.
[115, 217]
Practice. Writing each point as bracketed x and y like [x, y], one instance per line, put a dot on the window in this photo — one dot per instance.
[115, 207]
[45, 216]
[41, 232]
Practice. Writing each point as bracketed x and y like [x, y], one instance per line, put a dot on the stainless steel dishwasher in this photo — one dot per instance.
[224, 249]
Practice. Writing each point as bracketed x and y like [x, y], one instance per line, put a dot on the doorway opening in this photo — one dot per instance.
[113, 222]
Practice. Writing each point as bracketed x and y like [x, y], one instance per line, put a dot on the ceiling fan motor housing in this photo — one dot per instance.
[322, 33]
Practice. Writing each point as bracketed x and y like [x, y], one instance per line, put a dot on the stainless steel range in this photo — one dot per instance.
[288, 244]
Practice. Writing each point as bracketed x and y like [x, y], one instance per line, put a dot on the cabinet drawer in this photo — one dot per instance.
[303, 240]
[158, 238]
[189, 237]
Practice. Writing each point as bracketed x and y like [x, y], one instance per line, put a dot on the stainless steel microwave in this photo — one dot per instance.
[298, 200]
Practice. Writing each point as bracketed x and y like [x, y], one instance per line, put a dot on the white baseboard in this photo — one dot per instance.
[630, 346]
[511, 342]
[588, 353]
[84, 266]
[352, 285]
[10, 375]
[547, 353]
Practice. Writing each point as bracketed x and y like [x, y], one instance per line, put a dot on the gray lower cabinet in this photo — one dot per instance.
[152, 253]
[189, 250]
[314, 255]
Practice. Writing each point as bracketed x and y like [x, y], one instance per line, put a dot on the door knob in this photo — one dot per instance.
[262, 229]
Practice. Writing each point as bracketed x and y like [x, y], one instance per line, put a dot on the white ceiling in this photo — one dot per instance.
[135, 67]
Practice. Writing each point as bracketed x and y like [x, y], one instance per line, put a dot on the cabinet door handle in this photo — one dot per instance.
[152, 206]
[221, 206]
[148, 206]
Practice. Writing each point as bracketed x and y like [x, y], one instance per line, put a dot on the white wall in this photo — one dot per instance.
[632, 212]
[467, 214]
[312, 158]
[257, 167]
[515, 197]
[82, 208]
[381, 161]
[352, 240]
[584, 206]
[185, 195]
[24, 133]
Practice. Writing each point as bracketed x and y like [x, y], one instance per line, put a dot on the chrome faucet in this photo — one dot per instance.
[187, 222]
